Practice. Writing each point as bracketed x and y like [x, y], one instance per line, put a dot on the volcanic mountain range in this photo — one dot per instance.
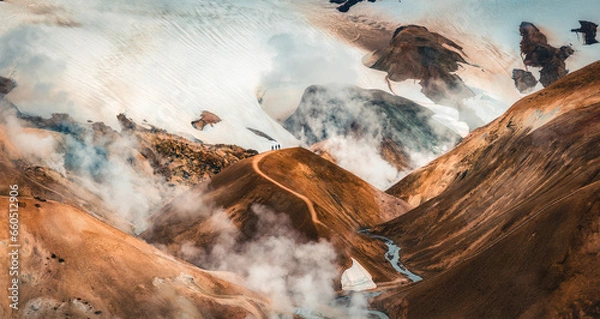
[504, 225]
[507, 223]
[140, 222]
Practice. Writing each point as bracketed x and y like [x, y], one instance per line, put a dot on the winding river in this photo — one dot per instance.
[393, 256]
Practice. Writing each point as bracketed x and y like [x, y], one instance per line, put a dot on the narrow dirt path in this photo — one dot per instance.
[308, 202]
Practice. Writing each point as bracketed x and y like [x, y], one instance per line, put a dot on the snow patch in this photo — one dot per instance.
[357, 278]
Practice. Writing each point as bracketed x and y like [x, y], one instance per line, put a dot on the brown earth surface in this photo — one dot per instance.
[320, 199]
[508, 222]
[73, 265]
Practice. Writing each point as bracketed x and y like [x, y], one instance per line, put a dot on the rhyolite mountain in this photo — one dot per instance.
[321, 200]
[72, 263]
[507, 223]
[504, 225]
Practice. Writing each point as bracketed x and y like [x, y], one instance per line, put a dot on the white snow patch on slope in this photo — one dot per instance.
[166, 63]
[357, 278]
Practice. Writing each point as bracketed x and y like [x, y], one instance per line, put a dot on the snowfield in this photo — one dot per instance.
[249, 61]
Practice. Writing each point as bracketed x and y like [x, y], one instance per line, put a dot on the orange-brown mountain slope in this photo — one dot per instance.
[44, 183]
[320, 199]
[72, 265]
[509, 221]
[76, 163]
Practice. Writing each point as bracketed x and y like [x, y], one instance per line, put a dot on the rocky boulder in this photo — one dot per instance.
[538, 53]
[181, 161]
[524, 80]
[206, 118]
[6, 85]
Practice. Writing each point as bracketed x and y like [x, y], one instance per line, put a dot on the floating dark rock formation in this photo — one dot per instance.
[538, 53]
[524, 80]
[261, 134]
[346, 4]
[6, 85]
[589, 31]
[206, 118]
[416, 53]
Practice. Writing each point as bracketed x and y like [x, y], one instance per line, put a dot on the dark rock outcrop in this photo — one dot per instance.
[538, 53]
[261, 134]
[417, 53]
[589, 31]
[6, 85]
[206, 118]
[524, 80]
[179, 160]
[347, 4]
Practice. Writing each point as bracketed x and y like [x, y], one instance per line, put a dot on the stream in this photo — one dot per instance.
[393, 256]
[342, 302]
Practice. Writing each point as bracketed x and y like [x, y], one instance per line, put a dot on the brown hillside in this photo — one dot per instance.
[72, 265]
[547, 268]
[508, 221]
[579, 89]
[321, 200]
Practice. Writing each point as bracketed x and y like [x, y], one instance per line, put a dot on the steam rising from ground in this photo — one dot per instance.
[369, 166]
[106, 170]
[38, 148]
[355, 125]
[106, 167]
[296, 275]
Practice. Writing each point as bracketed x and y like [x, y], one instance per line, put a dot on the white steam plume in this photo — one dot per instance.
[298, 276]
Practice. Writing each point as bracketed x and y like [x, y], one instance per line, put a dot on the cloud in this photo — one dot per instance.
[300, 60]
[37, 74]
